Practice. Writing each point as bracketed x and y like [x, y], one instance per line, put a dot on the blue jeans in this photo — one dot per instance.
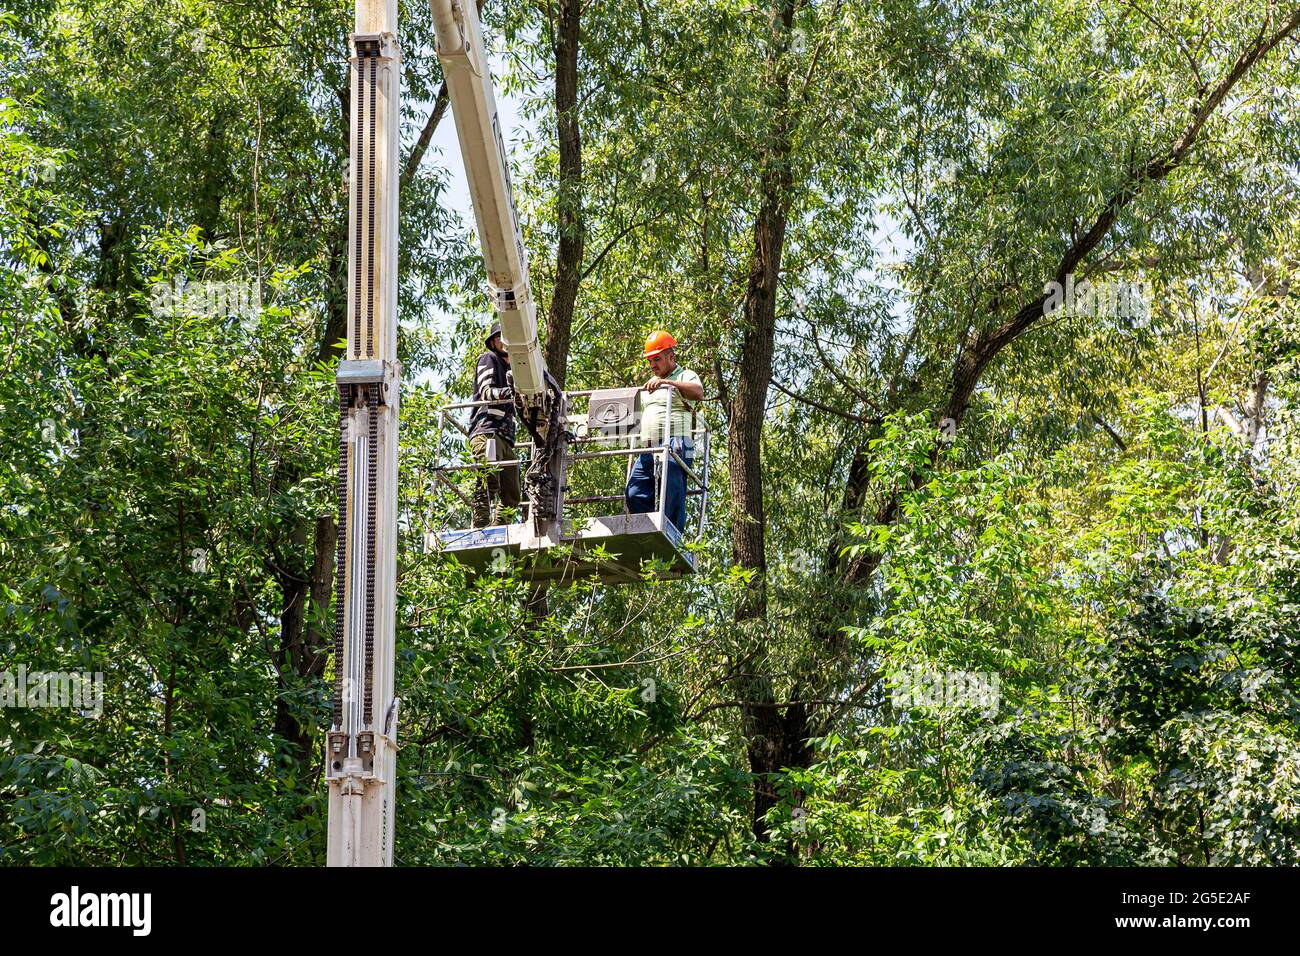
[642, 489]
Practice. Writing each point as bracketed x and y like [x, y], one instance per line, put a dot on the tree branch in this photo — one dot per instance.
[848, 416]
[440, 105]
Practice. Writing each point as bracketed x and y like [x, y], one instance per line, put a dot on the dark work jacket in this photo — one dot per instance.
[489, 383]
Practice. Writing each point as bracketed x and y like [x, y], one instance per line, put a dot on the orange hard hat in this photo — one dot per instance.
[658, 342]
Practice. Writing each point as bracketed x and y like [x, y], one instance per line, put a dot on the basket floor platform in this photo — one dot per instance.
[611, 548]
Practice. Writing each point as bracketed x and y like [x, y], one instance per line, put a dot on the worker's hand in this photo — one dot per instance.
[655, 382]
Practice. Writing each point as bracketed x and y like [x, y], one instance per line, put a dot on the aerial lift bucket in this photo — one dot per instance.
[618, 548]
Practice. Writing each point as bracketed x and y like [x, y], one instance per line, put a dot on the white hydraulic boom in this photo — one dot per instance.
[482, 147]
[361, 747]
[540, 404]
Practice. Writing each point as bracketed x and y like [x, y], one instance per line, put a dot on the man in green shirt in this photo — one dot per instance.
[667, 378]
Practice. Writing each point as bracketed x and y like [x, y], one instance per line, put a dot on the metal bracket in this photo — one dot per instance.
[354, 372]
[356, 773]
[390, 720]
[360, 371]
[385, 42]
[336, 754]
[511, 299]
[366, 750]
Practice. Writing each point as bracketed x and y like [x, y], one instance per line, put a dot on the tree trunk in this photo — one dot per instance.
[301, 655]
[336, 291]
[572, 227]
[211, 191]
[749, 401]
[776, 739]
[776, 733]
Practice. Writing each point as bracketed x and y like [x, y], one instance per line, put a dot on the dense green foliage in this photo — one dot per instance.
[1059, 628]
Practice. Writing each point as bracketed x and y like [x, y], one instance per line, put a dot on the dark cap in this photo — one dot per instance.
[492, 333]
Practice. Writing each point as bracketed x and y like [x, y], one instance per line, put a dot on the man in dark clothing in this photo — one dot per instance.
[492, 435]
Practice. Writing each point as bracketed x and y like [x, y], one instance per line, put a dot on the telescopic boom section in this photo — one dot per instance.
[361, 747]
[482, 145]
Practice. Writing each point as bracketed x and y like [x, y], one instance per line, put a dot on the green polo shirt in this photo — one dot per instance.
[655, 404]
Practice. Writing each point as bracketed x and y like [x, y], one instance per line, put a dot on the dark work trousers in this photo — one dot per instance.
[643, 488]
[494, 487]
